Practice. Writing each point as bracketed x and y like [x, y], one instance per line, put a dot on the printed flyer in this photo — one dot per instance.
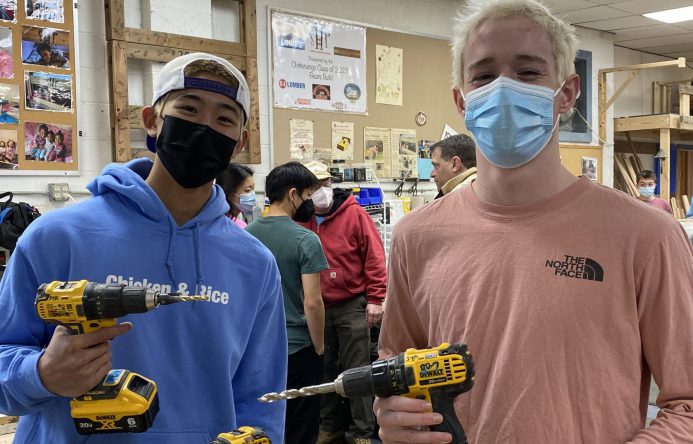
[318, 64]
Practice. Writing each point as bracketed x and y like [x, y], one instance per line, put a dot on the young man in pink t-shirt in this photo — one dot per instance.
[570, 295]
[646, 186]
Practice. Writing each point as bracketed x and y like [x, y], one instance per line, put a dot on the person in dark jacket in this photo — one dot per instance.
[353, 289]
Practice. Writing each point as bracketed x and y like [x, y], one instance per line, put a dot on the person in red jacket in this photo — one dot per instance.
[353, 290]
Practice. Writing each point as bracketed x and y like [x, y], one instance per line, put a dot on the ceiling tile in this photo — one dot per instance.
[666, 49]
[687, 54]
[643, 6]
[632, 21]
[686, 25]
[659, 41]
[592, 14]
[645, 32]
[560, 6]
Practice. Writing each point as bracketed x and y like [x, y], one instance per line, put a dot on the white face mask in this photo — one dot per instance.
[322, 197]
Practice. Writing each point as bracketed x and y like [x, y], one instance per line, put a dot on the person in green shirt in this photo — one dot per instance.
[300, 259]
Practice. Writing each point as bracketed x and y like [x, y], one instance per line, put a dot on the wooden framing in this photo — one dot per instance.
[129, 43]
[4, 420]
[660, 127]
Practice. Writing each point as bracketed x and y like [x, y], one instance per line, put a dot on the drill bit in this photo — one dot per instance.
[172, 298]
[311, 390]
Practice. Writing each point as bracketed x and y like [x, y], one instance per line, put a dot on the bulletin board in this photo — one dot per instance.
[426, 85]
[38, 107]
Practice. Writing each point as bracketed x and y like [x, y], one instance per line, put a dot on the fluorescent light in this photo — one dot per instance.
[672, 15]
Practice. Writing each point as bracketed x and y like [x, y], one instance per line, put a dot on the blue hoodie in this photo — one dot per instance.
[210, 360]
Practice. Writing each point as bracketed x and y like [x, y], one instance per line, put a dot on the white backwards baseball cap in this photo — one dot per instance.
[172, 78]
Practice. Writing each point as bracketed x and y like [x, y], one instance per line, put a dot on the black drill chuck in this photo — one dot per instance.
[106, 301]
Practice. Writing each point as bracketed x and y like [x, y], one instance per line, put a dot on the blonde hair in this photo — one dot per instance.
[196, 68]
[474, 13]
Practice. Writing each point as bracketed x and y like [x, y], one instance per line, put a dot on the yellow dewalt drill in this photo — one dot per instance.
[437, 375]
[123, 401]
[243, 435]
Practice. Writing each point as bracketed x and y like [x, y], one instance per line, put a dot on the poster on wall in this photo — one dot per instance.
[403, 146]
[8, 10]
[301, 139]
[342, 141]
[318, 64]
[48, 92]
[388, 75]
[376, 150]
[6, 63]
[9, 104]
[323, 154]
[590, 165]
[50, 10]
[46, 47]
[9, 158]
[48, 142]
[447, 132]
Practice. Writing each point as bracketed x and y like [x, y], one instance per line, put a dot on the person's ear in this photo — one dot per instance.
[459, 100]
[292, 193]
[569, 93]
[149, 120]
[456, 164]
[241, 143]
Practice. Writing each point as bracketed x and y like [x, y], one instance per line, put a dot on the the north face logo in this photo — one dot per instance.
[577, 267]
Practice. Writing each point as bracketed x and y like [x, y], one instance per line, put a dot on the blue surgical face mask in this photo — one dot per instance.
[511, 121]
[647, 191]
[248, 202]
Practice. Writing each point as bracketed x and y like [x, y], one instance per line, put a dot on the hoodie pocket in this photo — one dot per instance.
[168, 436]
[333, 284]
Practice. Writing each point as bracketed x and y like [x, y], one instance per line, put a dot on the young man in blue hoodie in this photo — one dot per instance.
[158, 224]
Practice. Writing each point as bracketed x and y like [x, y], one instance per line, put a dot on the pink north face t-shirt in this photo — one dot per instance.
[568, 305]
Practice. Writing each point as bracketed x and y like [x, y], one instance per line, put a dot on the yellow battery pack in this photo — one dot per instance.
[123, 402]
[243, 435]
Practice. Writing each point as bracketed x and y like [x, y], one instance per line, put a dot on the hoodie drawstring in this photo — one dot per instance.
[169, 254]
[198, 257]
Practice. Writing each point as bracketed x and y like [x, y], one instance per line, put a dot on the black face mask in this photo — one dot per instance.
[304, 211]
[192, 153]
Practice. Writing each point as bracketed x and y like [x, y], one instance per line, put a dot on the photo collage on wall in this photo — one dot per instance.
[37, 98]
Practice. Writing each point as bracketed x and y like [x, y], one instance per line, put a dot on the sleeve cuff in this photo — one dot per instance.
[28, 380]
[375, 300]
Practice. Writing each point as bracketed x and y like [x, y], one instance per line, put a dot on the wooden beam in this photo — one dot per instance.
[638, 123]
[620, 89]
[679, 63]
[8, 420]
[664, 165]
[602, 105]
[254, 150]
[634, 151]
[135, 117]
[119, 101]
[249, 28]
[684, 104]
[686, 203]
[683, 122]
[656, 98]
[115, 19]
[164, 54]
[686, 89]
[193, 44]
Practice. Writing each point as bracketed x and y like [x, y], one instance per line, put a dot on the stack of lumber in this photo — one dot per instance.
[680, 206]
[626, 175]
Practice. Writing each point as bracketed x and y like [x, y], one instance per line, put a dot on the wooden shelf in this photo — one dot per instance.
[649, 126]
